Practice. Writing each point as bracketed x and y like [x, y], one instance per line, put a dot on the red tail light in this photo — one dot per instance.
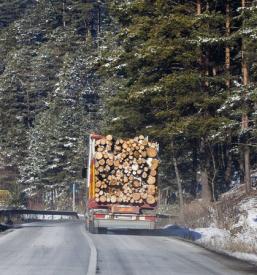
[99, 216]
[150, 218]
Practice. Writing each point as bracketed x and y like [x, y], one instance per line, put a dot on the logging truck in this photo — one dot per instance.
[122, 188]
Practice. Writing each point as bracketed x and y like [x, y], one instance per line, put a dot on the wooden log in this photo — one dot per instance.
[151, 180]
[144, 175]
[136, 139]
[136, 183]
[117, 148]
[150, 199]
[153, 173]
[144, 154]
[107, 168]
[136, 154]
[146, 169]
[100, 149]
[154, 164]
[102, 199]
[123, 156]
[102, 162]
[111, 156]
[125, 145]
[140, 161]
[98, 155]
[103, 141]
[151, 152]
[98, 184]
[116, 163]
[139, 171]
[108, 148]
[109, 138]
[108, 198]
[100, 169]
[136, 196]
[109, 162]
[151, 190]
[113, 199]
[135, 167]
[144, 142]
[143, 195]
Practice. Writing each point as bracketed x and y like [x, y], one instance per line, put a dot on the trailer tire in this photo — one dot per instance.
[92, 228]
[102, 230]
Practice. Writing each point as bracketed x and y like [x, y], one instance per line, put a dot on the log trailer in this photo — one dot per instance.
[121, 183]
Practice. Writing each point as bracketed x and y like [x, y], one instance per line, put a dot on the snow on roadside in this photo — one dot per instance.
[212, 236]
[240, 241]
[246, 226]
[244, 256]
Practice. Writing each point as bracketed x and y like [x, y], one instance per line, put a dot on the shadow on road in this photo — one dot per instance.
[172, 230]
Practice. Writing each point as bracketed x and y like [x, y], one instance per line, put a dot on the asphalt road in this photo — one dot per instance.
[44, 248]
[125, 254]
[65, 249]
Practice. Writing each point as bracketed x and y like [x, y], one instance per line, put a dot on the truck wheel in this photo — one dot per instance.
[92, 228]
[102, 230]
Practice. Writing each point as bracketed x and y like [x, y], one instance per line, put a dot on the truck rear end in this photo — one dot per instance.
[122, 183]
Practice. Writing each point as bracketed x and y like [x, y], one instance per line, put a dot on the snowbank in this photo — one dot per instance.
[239, 241]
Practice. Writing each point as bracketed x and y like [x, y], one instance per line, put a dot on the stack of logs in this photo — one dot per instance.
[126, 171]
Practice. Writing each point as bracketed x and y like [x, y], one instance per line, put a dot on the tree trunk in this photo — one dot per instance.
[245, 121]
[206, 189]
[214, 173]
[180, 192]
[194, 169]
[227, 50]
[198, 7]
[63, 14]
[228, 167]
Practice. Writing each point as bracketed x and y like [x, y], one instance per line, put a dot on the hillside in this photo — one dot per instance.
[183, 73]
[49, 102]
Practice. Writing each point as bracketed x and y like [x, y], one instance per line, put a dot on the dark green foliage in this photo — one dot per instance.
[49, 103]
[147, 67]
[172, 66]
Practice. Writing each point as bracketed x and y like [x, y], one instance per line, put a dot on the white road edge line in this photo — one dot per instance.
[93, 255]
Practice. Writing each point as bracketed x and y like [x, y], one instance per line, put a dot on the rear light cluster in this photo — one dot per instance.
[148, 218]
[99, 216]
[125, 217]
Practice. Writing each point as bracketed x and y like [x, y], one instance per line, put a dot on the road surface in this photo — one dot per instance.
[45, 248]
[63, 249]
[157, 255]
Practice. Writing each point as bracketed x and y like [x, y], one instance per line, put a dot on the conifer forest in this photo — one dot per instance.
[183, 73]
